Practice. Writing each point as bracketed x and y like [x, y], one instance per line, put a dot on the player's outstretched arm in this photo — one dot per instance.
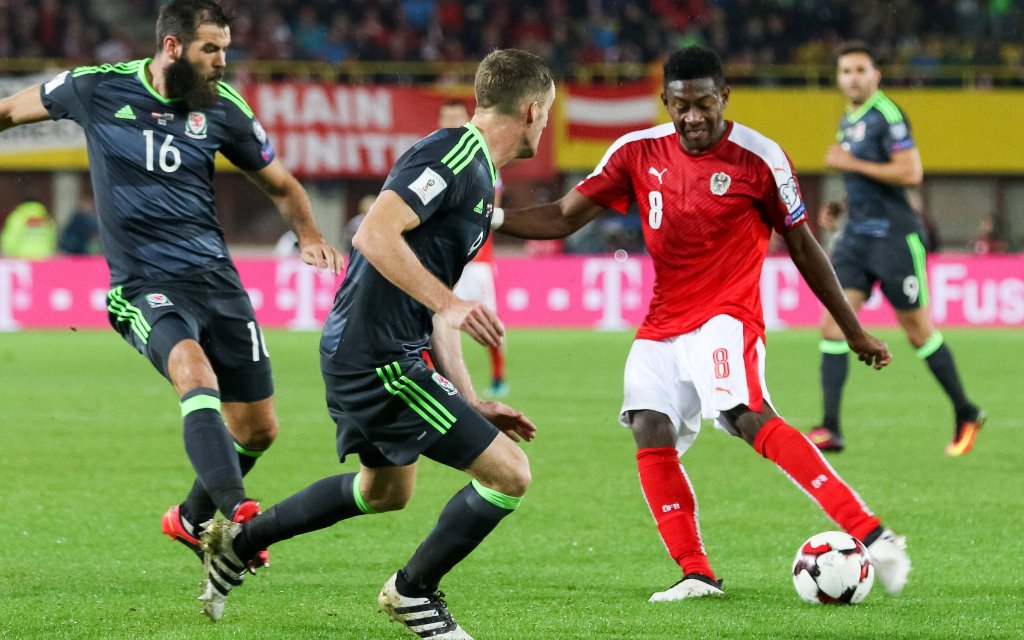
[24, 107]
[904, 169]
[380, 240]
[552, 220]
[810, 259]
[447, 355]
[292, 202]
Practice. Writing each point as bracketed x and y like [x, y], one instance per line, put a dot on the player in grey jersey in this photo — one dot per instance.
[152, 128]
[390, 401]
[881, 244]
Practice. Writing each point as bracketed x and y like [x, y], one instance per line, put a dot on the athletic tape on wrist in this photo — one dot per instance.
[497, 218]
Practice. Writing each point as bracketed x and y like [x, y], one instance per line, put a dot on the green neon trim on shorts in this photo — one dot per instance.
[196, 403]
[930, 346]
[249, 453]
[363, 505]
[125, 311]
[834, 347]
[496, 498]
[919, 255]
[425, 405]
[407, 397]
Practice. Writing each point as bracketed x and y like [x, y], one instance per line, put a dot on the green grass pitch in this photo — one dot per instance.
[91, 455]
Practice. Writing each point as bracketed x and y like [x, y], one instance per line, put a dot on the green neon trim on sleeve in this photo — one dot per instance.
[363, 505]
[892, 113]
[226, 91]
[487, 153]
[249, 453]
[458, 148]
[834, 347]
[920, 257]
[496, 498]
[463, 157]
[930, 346]
[196, 403]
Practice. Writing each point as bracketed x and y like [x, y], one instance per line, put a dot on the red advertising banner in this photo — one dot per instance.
[338, 131]
[579, 291]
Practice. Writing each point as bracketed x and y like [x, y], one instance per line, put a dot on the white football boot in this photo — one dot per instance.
[692, 585]
[892, 564]
[426, 617]
[224, 571]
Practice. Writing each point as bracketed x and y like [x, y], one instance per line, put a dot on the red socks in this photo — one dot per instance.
[497, 363]
[670, 499]
[806, 467]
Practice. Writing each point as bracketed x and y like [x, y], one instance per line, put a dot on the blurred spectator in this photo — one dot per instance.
[921, 37]
[993, 235]
[29, 232]
[353, 224]
[310, 34]
[81, 234]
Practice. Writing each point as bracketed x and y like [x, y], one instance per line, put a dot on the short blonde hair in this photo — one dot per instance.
[508, 78]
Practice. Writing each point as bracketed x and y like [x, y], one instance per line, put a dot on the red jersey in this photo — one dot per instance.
[707, 219]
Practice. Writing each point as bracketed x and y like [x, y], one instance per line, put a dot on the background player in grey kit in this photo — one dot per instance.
[153, 127]
[394, 308]
[881, 243]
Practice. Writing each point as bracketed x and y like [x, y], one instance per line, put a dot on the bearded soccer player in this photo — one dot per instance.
[881, 243]
[394, 320]
[152, 128]
[710, 193]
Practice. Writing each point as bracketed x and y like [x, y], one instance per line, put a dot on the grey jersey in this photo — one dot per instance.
[448, 180]
[151, 161]
[874, 132]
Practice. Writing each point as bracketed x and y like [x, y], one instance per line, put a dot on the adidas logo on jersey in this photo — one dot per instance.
[125, 113]
[479, 208]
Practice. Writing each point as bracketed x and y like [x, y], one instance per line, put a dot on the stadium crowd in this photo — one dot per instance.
[919, 36]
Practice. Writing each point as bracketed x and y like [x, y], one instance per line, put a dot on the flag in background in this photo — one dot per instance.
[605, 113]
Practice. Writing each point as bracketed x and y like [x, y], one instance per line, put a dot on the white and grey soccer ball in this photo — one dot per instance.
[833, 568]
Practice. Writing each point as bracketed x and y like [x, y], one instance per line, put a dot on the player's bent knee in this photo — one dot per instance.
[510, 475]
[252, 424]
[387, 503]
[517, 481]
[389, 498]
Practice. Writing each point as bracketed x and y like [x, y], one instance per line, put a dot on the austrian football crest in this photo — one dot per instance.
[195, 125]
[720, 183]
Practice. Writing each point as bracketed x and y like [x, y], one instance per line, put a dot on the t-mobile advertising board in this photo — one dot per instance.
[579, 291]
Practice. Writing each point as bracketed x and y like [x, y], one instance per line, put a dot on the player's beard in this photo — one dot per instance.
[185, 82]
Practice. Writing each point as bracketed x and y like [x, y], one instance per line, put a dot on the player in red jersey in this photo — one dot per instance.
[710, 192]
[477, 281]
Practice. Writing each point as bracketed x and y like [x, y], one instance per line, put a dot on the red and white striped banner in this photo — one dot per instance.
[605, 113]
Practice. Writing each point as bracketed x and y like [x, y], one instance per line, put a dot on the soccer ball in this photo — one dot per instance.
[833, 568]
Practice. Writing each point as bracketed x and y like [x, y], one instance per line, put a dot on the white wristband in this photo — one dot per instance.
[497, 218]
